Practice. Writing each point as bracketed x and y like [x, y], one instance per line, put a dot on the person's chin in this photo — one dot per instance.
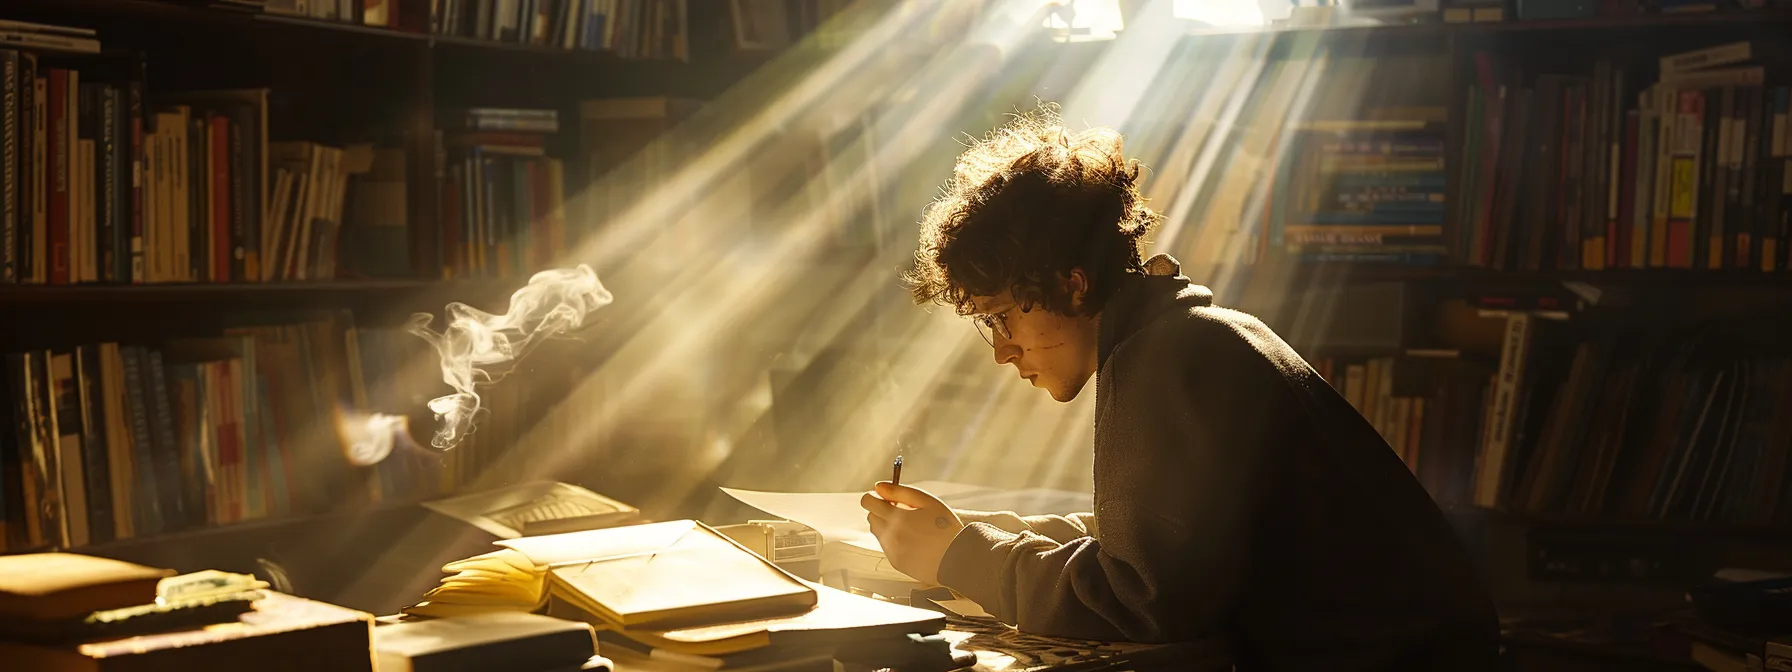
[1063, 395]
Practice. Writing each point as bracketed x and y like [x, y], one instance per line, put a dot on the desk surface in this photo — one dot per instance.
[1000, 648]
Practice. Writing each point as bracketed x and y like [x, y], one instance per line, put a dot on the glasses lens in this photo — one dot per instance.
[983, 329]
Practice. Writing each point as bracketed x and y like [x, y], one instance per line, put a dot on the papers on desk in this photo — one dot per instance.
[839, 518]
[848, 546]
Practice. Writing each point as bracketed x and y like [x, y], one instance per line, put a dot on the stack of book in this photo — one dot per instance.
[503, 198]
[1361, 191]
[674, 591]
[61, 611]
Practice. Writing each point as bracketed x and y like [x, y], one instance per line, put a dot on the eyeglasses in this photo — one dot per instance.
[992, 323]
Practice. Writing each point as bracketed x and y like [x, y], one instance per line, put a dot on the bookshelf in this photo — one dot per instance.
[1579, 521]
[328, 84]
[341, 83]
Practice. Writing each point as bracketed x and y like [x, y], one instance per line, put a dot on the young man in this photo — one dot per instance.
[1237, 495]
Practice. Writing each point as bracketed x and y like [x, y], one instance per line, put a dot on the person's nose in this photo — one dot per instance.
[1005, 350]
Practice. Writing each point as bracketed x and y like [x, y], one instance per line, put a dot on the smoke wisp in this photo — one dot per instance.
[474, 345]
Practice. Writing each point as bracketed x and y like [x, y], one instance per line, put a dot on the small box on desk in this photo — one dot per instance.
[795, 547]
[281, 634]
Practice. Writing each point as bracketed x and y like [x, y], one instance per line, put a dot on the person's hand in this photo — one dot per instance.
[914, 527]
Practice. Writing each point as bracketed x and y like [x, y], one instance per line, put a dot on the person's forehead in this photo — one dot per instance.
[990, 304]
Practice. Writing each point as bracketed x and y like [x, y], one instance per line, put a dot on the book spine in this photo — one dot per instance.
[97, 467]
[9, 166]
[25, 457]
[1684, 179]
[167, 454]
[199, 254]
[37, 237]
[190, 422]
[1503, 412]
[118, 439]
[148, 504]
[61, 138]
[222, 244]
[238, 184]
[114, 237]
[133, 129]
[46, 460]
[1644, 178]
[30, 196]
[248, 156]
[1747, 176]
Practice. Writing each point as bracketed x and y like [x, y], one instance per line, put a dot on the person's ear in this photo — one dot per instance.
[1077, 286]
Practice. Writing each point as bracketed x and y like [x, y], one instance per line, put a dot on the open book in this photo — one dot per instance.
[536, 508]
[677, 586]
[670, 574]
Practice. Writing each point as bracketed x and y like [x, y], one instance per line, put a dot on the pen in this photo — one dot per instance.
[896, 471]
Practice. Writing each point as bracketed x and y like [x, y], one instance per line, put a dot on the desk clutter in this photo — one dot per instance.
[680, 595]
[605, 591]
[663, 596]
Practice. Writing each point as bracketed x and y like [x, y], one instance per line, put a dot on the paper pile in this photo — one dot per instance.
[848, 545]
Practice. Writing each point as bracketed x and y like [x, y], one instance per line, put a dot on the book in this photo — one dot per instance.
[503, 580]
[282, 633]
[671, 574]
[50, 586]
[182, 602]
[838, 617]
[535, 508]
[680, 573]
[501, 640]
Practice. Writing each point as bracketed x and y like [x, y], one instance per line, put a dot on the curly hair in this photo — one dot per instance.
[1026, 205]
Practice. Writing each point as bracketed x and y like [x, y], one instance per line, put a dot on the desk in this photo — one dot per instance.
[1000, 648]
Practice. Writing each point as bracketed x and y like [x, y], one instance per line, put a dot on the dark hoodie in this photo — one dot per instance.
[1237, 495]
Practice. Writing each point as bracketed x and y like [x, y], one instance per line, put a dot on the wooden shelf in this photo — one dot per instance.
[272, 291]
[1618, 23]
[201, 534]
[1614, 525]
[1478, 277]
[78, 12]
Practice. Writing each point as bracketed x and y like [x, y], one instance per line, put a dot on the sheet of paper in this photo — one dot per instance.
[601, 544]
[838, 516]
